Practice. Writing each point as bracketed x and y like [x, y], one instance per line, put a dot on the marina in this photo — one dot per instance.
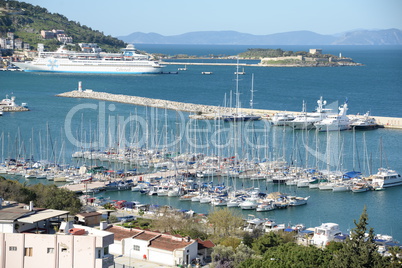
[47, 137]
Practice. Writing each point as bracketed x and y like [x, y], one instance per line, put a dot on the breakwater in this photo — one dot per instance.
[157, 103]
[202, 111]
[14, 109]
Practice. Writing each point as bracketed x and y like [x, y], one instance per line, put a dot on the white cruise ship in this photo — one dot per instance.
[127, 62]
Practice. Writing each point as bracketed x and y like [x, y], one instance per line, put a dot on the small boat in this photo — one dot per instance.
[182, 68]
[271, 226]
[240, 117]
[242, 72]
[265, 206]
[234, 202]
[364, 123]
[360, 187]
[297, 201]
[219, 201]
[254, 223]
[249, 203]
[206, 72]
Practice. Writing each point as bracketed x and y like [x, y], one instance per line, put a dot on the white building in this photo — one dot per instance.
[326, 233]
[155, 247]
[28, 240]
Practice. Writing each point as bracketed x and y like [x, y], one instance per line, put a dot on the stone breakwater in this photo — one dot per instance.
[201, 111]
[142, 101]
[14, 109]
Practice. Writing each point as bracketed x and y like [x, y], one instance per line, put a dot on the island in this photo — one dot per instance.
[313, 58]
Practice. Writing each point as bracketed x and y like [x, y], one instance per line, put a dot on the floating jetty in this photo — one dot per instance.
[201, 111]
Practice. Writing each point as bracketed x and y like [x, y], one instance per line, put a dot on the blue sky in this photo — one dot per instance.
[122, 17]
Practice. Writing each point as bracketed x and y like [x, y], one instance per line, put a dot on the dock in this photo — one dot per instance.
[201, 111]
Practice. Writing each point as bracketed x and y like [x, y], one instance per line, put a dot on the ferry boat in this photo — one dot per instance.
[127, 62]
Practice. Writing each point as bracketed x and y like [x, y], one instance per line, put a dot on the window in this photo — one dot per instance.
[28, 252]
[136, 248]
[50, 250]
[12, 248]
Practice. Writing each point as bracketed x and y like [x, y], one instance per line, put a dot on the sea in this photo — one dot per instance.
[55, 127]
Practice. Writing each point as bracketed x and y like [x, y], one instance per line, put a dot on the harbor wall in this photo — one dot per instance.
[203, 111]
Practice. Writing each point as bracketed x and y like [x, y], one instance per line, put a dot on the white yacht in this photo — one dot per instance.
[249, 203]
[335, 122]
[307, 120]
[386, 178]
[364, 122]
[297, 201]
[282, 119]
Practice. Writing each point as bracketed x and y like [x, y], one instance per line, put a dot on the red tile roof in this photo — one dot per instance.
[146, 236]
[205, 244]
[170, 243]
[120, 232]
[157, 240]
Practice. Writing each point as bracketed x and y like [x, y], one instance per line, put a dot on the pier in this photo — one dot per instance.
[201, 111]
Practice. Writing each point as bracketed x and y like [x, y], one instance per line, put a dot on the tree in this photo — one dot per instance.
[290, 255]
[263, 243]
[224, 222]
[360, 250]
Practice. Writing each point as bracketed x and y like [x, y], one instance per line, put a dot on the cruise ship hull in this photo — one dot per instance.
[99, 67]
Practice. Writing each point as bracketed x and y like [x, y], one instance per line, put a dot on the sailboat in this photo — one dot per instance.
[237, 116]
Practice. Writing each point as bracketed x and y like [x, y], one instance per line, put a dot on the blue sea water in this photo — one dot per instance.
[376, 87]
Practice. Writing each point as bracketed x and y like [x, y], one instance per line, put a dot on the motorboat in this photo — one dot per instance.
[307, 120]
[282, 119]
[254, 223]
[342, 186]
[360, 187]
[335, 122]
[265, 206]
[249, 203]
[219, 201]
[364, 123]
[385, 178]
[297, 201]
[240, 117]
[272, 226]
[233, 202]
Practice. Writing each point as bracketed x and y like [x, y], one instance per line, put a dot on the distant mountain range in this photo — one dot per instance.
[357, 37]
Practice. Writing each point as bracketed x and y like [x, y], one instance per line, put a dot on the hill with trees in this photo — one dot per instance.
[26, 21]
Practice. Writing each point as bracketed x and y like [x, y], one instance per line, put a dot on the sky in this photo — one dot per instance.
[259, 17]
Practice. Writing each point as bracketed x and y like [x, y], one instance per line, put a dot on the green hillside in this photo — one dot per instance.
[26, 21]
